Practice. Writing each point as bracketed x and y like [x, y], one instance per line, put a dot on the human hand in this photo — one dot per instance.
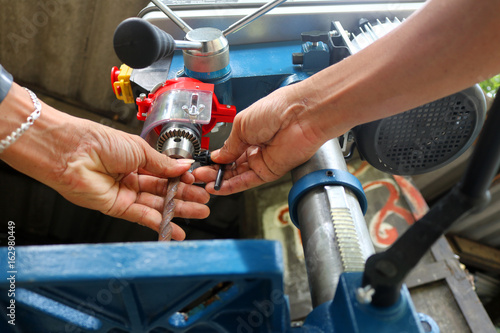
[97, 167]
[268, 139]
[120, 175]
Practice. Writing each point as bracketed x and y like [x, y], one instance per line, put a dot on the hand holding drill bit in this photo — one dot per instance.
[165, 232]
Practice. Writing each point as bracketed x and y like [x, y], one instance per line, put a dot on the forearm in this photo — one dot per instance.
[445, 47]
[37, 152]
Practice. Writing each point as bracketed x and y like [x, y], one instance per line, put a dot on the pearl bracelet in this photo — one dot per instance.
[24, 127]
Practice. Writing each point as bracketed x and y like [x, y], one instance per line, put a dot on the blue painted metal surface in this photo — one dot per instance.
[316, 57]
[202, 286]
[345, 314]
[207, 76]
[323, 178]
[256, 71]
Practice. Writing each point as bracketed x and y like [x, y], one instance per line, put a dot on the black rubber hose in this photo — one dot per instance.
[139, 44]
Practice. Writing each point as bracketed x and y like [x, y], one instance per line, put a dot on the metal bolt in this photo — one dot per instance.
[364, 295]
[142, 96]
[334, 33]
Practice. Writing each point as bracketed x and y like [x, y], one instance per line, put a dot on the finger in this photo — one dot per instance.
[235, 180]
[192, 193]
[151, 184]
[151, 218]
[158, 164]
[143, 214]
[193, 207]
[251, 171]
[208, 174]
[234, 146]
[205, 174]
[190, 210]
[187, 178]
[153, 201]
[238, 183]
[177, 233]
[184, 192]
[158, 186]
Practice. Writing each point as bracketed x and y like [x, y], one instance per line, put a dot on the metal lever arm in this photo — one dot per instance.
[171, 15]
[249, 18]
[386, 271]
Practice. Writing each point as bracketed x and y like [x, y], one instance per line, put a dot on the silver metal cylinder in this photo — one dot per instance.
[214, 54]
[179, 140]
[178, 148]
[334, 233]
[187, 45]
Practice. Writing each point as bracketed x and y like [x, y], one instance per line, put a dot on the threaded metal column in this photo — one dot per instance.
[334, 233]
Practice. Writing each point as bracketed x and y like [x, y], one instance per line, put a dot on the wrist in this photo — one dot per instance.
[35, 153]
[15, 135]
[316, 110]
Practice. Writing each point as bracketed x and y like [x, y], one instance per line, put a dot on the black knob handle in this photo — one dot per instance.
[315, 36]
[139, 44]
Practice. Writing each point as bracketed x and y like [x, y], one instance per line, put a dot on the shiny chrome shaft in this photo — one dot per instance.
[188, 45]
[171, 15]
[249, 18]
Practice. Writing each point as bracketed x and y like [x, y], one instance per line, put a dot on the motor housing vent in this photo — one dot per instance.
[424, 138]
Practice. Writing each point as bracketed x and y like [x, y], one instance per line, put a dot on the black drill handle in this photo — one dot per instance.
[139, 44]
[385, 271]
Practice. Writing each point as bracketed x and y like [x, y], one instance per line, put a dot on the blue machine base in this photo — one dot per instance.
[345, 314]
[195, 286]
[203, 286]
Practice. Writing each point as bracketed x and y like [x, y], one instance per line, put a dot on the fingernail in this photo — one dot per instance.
[186, 161]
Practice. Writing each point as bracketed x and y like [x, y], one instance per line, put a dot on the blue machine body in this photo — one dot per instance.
[256, 71]
[194, 286]
[202, 286]
[316, 56]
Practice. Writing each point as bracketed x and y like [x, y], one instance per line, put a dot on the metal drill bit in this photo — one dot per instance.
[165, 233]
